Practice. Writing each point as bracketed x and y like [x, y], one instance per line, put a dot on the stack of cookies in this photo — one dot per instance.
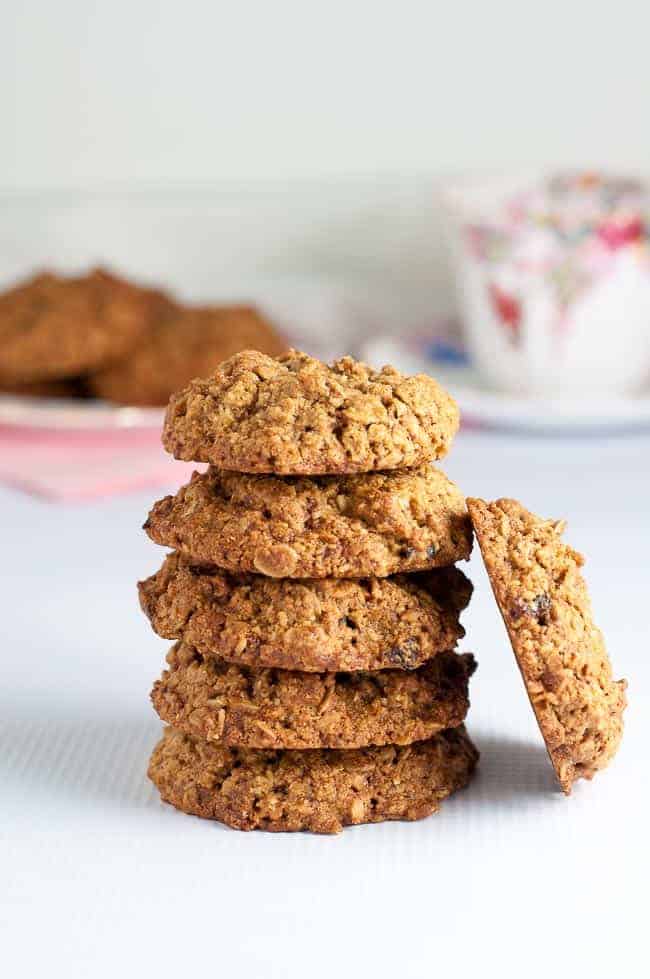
[312, 594]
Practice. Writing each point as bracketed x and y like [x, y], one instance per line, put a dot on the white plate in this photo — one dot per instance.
[481, 405]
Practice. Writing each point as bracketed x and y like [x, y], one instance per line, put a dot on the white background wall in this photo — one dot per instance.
[137, 90]
[321, 128]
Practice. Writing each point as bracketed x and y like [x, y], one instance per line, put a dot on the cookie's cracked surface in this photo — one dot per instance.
[371, 525]
[296, 415]
[312, 625]
[270, 708]
[561, 654]
[184, 342]
[56, 327]
[316, 790]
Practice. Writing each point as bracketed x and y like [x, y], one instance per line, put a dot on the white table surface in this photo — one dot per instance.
[98, 878]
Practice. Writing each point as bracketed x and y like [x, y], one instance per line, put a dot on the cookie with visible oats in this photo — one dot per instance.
[184, 342]
[268, 708]
[312, 625]
[298, 416]
[316, 790]
[372, 525]
[561, 654]
[55, 327]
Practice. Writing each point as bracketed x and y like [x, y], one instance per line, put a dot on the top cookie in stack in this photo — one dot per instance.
[321, 476]
[296, 416]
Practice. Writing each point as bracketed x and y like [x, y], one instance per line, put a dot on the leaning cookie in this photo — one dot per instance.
[56, 327]
[268, 708]
[321, 791]
[312, 625]
[298, 416]
[184, 342]
[561, 654]
[338, 526]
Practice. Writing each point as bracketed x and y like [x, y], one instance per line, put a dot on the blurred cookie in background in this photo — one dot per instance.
[100, 336]
[56, 327]
[182, 344]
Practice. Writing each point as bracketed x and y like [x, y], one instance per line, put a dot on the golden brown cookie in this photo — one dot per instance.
[296, 415]
[55, 327]
[321, 791]
[239, 706]
[561, 654]
[184, 342]
[372, 525]
[311, 625]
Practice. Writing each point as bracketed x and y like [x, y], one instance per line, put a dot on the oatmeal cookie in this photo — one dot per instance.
[561, 654]
[310, 625]
[184, 342]
[298, 416]
[372, 525]
[316, 790]
[55, 327]
[268, 708]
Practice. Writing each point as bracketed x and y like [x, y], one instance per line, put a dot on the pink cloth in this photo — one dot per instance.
[77, 465]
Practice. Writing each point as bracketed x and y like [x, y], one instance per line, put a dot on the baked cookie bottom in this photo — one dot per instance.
[373, 525]
[316, 790]
[311, 625]
[70, 388]
[560, 652]
[239, 706]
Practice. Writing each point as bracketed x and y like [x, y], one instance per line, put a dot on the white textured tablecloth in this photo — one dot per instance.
[98, 878]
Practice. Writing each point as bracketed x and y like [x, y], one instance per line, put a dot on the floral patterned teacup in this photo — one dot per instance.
[554, 277]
